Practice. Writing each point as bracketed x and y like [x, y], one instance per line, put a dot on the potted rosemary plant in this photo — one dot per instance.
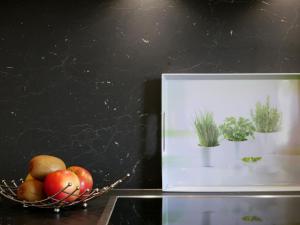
[267, 120]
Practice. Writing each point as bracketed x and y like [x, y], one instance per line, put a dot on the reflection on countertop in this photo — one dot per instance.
[209, 209]
[204, 207]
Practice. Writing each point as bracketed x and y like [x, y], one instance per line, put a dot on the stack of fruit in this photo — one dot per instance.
[48, 176]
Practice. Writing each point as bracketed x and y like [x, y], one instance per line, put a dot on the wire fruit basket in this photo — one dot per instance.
[9, 191]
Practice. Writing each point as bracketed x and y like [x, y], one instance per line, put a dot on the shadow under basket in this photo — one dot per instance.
[9, 191]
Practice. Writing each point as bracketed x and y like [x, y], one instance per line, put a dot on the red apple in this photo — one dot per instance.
[56, 181]
[85, 178]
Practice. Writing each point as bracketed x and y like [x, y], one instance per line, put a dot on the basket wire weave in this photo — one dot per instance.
[9, 191]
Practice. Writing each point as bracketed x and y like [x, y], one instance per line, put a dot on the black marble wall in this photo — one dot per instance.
[81, 79]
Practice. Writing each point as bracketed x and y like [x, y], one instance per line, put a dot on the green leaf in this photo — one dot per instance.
[251, 219]
[251, 159]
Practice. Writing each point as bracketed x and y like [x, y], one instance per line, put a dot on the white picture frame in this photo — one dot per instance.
[265, 163]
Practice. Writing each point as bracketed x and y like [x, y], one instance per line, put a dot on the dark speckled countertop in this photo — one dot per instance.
[12, 214]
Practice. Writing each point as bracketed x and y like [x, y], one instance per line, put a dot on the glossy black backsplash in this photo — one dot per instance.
[81, 80]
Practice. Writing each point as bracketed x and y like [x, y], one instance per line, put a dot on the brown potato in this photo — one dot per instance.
[31, 190]
[40, 166]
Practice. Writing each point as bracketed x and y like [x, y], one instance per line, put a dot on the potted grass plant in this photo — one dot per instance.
[208, 135]
[267, 120]
[237, 130]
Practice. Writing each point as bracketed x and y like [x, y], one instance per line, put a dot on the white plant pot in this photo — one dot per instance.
[207, 156]
[267, 141]
[237, 150]
[237, 156]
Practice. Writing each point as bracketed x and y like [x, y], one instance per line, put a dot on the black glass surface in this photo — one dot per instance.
[207, 211]
[131, 211]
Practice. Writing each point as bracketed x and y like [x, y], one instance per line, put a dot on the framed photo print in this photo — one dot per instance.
[231, 132]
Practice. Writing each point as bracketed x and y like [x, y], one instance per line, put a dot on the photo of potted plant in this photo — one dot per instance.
[250, 161]
[208, 135]
[230, 131]
[237, 130]
[267, 120]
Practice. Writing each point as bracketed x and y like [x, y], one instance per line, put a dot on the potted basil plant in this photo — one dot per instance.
[237, 130]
